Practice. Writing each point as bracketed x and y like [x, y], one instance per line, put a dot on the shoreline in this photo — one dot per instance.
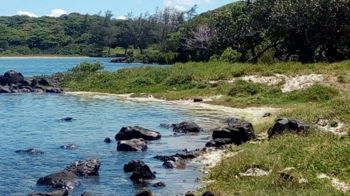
[253, 114]
[43, 57]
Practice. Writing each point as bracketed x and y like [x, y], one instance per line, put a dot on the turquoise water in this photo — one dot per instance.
[45, 66]
[32, 121]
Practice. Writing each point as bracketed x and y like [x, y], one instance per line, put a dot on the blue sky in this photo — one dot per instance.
[118, 7]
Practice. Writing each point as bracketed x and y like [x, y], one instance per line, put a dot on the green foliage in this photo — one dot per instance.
[86, 67]
[243, 88]
[231, 56]
[150, 57]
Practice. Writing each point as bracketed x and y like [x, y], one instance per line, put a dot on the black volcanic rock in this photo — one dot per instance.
[135, 132]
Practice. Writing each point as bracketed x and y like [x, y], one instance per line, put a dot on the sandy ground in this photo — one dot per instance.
[252, 114]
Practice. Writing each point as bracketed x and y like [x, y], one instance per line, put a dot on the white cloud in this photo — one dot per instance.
[184, 4]
[121, 18]
[57, 13]
[25, 13]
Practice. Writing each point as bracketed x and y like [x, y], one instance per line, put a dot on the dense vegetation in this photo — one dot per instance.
[263, 31]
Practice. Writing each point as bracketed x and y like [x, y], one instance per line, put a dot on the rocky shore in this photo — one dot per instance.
[15, 82]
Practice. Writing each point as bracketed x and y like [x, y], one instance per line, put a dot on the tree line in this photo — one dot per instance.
[244, 31]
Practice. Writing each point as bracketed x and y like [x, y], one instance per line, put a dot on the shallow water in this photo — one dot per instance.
[32, 121]
[44, 66]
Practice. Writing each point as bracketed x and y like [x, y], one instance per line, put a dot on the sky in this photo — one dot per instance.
[120, 8]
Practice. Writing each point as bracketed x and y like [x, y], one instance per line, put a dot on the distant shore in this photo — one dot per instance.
[41, 57]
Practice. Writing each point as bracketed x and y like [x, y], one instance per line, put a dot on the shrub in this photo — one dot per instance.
[86, 67]
[244, 88]
[142, 81]
[231, 56]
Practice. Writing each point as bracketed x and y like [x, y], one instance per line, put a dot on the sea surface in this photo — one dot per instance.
[44, 66]
[33, 121]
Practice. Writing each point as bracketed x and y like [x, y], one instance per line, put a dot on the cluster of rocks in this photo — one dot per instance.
[67, 179]
[14, 82]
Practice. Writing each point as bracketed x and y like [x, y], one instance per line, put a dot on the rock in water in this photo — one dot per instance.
[53, 193]
[144, 193]
[30, 151]
[67, 119]
[86, 194]
[128, 133]
[159, 184]
[5, 89]
[85, 167]
[186, 127]
[132, 145]
[139, 171]
[61, 180]
[69, 146]
[107, 140]
[285, 125]
[236, 132]
[12, 77]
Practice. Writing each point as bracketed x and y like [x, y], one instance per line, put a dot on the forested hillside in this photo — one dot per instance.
[264, 31]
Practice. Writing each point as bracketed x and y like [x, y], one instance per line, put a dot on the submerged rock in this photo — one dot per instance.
[61, 192]
[69, 146]
[139, 171]
[132, 145]
[61, 180]
[159, 184]
[86, 194]
[85, 167]
[135, 132]
[67, 119]
[285, 125]
[30, 151]
[186, 127]
[235, 132]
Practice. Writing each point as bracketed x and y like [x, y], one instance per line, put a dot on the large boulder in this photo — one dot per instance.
[235, 132]
[12, 77]
[128, 133]
[286, 125]
[61, 192]
[132, 145]
[186, 127]
[139, 171]
[61, 180]
[85, 167]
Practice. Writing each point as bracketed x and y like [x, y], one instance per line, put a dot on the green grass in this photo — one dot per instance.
[312, 153]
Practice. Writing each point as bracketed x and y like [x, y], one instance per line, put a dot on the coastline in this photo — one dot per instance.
[43, 57]
[211, 158]
[253, 114]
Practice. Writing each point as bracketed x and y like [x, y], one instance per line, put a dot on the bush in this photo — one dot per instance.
[231, 56]
[140, 82]
[86, 67]
[244, 88]
[315, 93]
[157, 57]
